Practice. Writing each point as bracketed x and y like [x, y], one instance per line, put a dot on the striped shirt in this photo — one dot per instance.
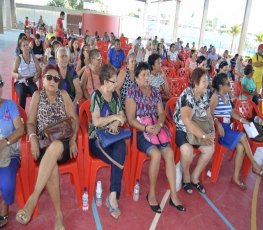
[223, 109]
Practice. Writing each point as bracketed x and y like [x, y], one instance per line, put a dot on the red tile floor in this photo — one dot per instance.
[237, 209]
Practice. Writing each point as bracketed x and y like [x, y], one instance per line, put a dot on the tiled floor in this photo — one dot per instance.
[234, 205]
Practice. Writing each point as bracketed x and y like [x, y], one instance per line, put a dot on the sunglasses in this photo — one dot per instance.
[49, 77]
[1, 83]
[113, 82]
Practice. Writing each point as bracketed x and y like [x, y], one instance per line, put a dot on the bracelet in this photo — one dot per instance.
[145, 128]
[31, 135]
[215, 119]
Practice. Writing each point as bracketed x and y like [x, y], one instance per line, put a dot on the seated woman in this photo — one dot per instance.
[190, 63]
[172, 53]
[11, 129]
[26, 72]
[157, 78]
[248, 84]
[144, 101]
[38, 48]
[148, 50]
[222, 110]
[49, 106]
[161, 51]
[126, 78]
[107, 113]
[69, 79]
[193, 102]
[74, 52]
[83, 61]
[90, 80]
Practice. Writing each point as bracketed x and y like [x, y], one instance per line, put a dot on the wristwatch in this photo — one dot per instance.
[7, 141]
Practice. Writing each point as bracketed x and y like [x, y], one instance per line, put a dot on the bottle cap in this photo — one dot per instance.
[137, 181]
[99, 187]
[85, 189]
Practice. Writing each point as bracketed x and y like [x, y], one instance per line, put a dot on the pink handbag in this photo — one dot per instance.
[163, 137]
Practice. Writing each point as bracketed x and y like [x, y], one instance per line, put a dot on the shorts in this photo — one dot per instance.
[180, 139]
[65, 154]
[146, 146]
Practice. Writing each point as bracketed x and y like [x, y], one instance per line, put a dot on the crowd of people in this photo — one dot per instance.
[130, 87]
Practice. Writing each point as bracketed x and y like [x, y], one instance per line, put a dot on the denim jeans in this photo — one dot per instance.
[117, 151]
[22, 90]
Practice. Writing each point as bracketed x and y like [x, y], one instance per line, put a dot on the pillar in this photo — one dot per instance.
[7, 15]
[202, 29]
[13, 13]
[1, 18]
[241, 45]
[176, 20]
[158, 19]
[145, 16]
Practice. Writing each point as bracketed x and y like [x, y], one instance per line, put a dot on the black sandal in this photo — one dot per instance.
[3, 221]
[156, 208]
[199, 187]
[187, 187]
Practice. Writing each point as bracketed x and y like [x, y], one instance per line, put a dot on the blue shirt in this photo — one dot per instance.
[116, 59]
[8, 113]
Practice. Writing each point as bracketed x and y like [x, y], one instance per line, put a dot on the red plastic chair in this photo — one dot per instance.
[124, 41]
[177, 86]
[22, 178]
[92, 163]
[169, 111]
[184, 73]
[169, 72]
[74, 167]
[248, 110]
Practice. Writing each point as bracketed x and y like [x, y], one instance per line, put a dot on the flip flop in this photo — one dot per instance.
[241, 186]
[3, 221]
[114, 212]
[23, 217]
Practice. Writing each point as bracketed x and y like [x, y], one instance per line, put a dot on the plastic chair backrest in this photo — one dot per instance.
[247, 109]
[170, 108]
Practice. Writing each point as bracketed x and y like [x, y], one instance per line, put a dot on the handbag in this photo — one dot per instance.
[62, 130]
[161, 138]
[206, 125]
[5, 158]
[105, 139]
[259, 128]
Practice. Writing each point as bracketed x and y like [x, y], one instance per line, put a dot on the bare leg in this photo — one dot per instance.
[46, 167]
[168, 157]
[187, 156]
[4, 209]
[54, 193]
[249, 153]
[238, 162]
[153, 172]
[207, 153]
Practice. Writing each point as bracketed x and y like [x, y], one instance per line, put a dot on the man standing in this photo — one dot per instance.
[116, 55]
[257, 62]
[59, 27]
[80, 28]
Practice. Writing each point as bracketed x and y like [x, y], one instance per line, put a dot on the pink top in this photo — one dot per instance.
[192, 65]
[93, 81]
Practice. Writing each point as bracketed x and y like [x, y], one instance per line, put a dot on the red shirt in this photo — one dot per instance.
[59, 33]
[26, 22]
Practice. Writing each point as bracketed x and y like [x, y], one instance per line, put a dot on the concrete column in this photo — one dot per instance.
[1, 18]
[145, 15]
[241, 45]
[202, 30]
[176, 20]
[7, 15]
[13, 13]
[158, 19]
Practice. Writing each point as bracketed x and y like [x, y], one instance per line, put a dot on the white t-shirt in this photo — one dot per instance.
[80, 25]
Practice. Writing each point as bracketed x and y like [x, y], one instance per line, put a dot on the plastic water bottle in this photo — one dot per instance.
[99, 194]
[85, 200]
[136, 191]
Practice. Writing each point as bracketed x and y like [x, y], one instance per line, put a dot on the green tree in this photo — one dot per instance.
[57, 3]
[259, 37]
[234, 30]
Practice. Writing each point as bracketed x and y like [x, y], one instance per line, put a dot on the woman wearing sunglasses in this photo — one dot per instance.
[47, 107]
[26, 72]
[11, 129]
[221, 108]
[107, 113]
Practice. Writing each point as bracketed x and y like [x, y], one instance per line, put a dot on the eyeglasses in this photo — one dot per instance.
[1, 83]
[98, 58]
[49, 77]
[113, 82]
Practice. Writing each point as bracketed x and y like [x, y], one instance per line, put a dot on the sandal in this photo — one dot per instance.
[260, 173]
[199, 187]
[115, 212]
[240, 185]
[3, 221]
[187, 187]
[156, 207]
[23, 217]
